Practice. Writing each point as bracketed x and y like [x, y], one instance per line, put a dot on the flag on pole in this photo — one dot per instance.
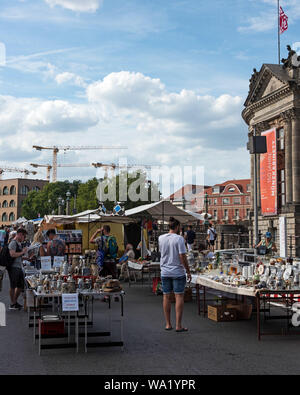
[283, 21]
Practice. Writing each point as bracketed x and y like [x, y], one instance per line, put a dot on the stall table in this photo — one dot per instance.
[285, 299]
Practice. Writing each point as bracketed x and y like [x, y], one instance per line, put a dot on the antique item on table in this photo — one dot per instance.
[71, 285]
[112, 286]
[65, 288]
[80, 284]
[46, 284]
[40, 289]
[88, 284]
[65, 269]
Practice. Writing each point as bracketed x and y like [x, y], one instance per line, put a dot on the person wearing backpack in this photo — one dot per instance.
[107, 251]
[14, 267]
[211, 237]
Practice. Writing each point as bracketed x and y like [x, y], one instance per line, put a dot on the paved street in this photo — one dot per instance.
[208, 347]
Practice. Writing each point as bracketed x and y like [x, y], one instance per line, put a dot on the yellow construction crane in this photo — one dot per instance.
[114, 166]
[49, 167]
[16, 170]
[56, 149]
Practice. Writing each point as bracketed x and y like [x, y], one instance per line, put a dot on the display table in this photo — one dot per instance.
[287, 300]
[88, 299]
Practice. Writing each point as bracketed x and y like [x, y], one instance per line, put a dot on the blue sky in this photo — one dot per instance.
[167, 78]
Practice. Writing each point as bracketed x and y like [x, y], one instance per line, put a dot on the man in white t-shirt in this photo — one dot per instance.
[174, 272]
[211, 237]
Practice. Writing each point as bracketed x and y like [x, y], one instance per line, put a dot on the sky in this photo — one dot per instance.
[168, 79]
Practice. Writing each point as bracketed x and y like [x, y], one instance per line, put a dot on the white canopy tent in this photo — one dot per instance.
[162, 210]
[86, 217]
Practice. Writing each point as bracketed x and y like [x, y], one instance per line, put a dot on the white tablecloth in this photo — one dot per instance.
[207, 282]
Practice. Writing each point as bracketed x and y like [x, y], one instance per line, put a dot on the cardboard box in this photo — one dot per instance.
[220, 313]
[244, 311]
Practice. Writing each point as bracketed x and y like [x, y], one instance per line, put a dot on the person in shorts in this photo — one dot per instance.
[174, 272]
[211, 237]
[15, 269]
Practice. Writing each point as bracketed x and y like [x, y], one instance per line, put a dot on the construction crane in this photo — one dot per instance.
[16, 170]
[114, 166]
[56, 149]
[49, 167]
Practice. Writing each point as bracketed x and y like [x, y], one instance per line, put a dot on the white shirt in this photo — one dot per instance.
[170, 246]
[211, 234]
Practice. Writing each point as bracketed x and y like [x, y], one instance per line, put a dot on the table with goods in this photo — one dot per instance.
[243, 282]
[70, 291]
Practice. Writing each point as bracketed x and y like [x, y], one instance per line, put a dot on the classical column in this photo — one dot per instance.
[288, 155]
[296, 156]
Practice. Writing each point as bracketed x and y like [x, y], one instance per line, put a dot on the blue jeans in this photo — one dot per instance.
[176, 284]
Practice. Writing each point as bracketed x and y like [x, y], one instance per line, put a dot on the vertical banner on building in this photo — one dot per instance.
[282, 237]
[268, 175]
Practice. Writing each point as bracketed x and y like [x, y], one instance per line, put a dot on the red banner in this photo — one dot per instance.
[268, 175]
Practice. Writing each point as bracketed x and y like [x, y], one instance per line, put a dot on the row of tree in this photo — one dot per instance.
[86, 195]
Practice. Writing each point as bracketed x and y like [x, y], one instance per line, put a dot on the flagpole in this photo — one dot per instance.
[278, 18]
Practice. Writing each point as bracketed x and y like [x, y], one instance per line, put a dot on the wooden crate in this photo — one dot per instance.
[220, 313]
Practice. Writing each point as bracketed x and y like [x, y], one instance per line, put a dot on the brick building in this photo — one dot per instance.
[229, 202]
[12, 194]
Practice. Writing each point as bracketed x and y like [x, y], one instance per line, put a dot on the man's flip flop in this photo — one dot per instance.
[182, 330]
[168, 329]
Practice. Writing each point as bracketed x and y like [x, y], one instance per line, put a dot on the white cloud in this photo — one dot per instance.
[147, 102]
[77, 5]
[59, 116]
[67, 77]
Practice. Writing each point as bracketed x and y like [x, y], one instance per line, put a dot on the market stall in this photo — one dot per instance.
[268, 284]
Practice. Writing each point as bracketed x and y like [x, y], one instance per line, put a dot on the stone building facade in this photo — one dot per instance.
[274, 102]
[12, 194]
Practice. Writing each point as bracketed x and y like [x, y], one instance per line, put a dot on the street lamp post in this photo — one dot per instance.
[206, 222]
[68, 195]
[60, 205]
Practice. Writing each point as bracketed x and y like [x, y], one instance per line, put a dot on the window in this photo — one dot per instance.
[248, 213]
[248, 187]
[237, 213]
[215, 214]
[225, 214]
[4, 217]
[226, 201]
[237, 200]
[280, 139]
[24, 190]
[215, 202]
[37, 189]
[216, 189]
[12, 203]
[12, 217]
[231, 189]
[247, 199]
[281, 187]
[4, 204]
[13, 190]
[5, 191]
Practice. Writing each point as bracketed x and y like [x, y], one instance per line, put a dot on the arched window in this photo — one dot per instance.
[5, 191]
[5, 204]
[12, 217]
[12, 203]
[13, 190]
[24, 190]
[4, 217]
[37, 189]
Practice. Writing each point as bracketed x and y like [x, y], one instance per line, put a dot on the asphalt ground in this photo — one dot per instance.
[207, 348]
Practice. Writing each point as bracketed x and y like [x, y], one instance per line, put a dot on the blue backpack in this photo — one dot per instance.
[107, 249]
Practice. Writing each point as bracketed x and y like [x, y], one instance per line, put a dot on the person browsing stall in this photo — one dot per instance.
[174, 272]
[268, 243]
[15, 269]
